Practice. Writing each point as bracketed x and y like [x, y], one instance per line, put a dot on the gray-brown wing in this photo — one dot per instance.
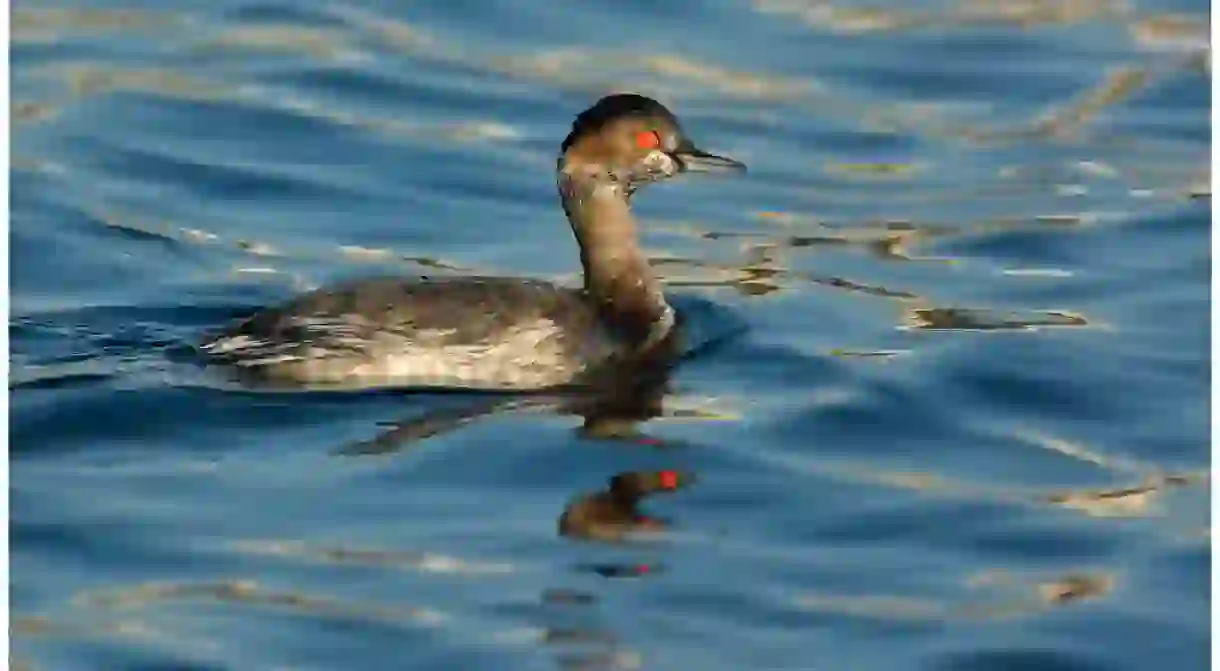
[494, 333]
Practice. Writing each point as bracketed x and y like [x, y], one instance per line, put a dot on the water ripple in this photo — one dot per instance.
[945, 408]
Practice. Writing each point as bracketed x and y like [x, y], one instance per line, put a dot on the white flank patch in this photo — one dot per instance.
[523, 355]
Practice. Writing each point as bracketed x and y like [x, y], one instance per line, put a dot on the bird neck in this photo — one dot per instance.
[618, 277]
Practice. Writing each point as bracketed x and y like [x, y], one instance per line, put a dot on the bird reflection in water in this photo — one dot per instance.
[609, 515]
[613, 514]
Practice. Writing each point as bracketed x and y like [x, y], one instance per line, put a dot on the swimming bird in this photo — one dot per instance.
[500, 333]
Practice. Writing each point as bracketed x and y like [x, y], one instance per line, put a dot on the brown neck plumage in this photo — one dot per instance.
[618, 277]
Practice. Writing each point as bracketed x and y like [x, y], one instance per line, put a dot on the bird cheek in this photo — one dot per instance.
[662, 164]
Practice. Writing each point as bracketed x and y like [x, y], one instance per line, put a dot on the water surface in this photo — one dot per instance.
[966, 427]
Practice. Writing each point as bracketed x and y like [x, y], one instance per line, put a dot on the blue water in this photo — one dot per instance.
[966, 426]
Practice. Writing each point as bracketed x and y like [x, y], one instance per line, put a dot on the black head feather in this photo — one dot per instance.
[612, 108]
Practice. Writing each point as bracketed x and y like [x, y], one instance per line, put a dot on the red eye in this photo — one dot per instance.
[648, 139]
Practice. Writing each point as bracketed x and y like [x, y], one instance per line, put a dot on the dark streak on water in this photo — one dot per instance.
[965, 429]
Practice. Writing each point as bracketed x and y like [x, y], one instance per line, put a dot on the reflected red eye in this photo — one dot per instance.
[648, 139]
[669, 479]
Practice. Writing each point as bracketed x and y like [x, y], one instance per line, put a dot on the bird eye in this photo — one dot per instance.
[648, 139]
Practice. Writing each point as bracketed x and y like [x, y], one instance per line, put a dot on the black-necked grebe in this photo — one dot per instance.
[496, 333]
